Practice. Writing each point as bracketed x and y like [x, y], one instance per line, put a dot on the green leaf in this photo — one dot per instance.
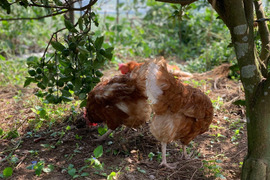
[82, 96]
[57, 46]
[68, 24]
[72, 172]
[108, 53]
[28, 81]
[98, 151]
[80, 22]
[48, 169]
[141, 170]
[38, 171]
[8, 172]
[76, 176]
[31, 72]
[66, 99]
[98, 42]
[85, 174]
[24, 3]
[12, 134]
[240, 102]
[1, 131]
[83, 50]
[41, 85]
[58, 2]
[32, 61]
[83, 103]
[2, 57]
[66, 93]
[5, 5]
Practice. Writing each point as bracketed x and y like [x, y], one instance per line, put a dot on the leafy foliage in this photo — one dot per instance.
[73, 69]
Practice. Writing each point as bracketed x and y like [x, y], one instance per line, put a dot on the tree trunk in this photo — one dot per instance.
[238, 16]
[256, 163]
[255, 77]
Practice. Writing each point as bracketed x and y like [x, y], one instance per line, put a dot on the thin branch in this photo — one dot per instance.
[43, 57]
[262, 19]
[264, 35]
[68, 7]
[182, 2]
[34, 18]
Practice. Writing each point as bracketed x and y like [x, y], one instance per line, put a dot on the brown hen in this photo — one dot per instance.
[181, 111]
[120, 100]
[175, 70]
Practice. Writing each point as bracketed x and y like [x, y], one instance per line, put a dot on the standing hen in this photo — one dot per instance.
[181, 111]
[119, 100]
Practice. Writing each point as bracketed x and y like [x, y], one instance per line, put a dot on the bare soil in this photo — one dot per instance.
[216, 154]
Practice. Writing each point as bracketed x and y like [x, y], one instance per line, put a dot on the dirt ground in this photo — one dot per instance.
[132, 154]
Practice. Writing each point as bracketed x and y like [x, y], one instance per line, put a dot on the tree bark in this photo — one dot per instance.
[256, 163]
[238, 17]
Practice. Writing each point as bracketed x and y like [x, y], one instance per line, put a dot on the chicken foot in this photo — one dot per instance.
[164, 160]
[104, 136]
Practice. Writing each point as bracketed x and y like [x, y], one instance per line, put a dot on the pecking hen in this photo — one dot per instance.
[120, 100]
[181, 111]
[128, 67]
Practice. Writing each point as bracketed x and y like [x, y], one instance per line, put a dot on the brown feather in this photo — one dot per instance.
[120, 100]
[182, 112]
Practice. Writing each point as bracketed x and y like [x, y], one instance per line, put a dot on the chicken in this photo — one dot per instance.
[128, 67]
[120, 100]
[181, 111]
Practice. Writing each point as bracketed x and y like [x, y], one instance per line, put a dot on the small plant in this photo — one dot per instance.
[151, 155]
[74, 173]
[94, 162]
[40, 166]
[7, 172]
[141, 170]
[212, 168]
[218, 103]
[112, 176]
[159, 156]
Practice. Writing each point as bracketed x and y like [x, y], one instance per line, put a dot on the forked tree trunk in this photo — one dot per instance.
[238, 17]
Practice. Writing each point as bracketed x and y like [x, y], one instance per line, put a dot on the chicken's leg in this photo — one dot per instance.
[185, 155]
[164, 160]
[104, 136]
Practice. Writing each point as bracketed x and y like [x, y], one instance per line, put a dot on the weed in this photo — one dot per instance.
[218, 103]
[141, 170]
[212, 168]
[39, 167]
[151, 155]
[74, 173]
[7, 172]
[112, 176]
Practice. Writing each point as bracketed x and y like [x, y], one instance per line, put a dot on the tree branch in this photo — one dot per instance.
[68, 7]
[262, 19]
[265, 36]
[34, 18]
[182, 2]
